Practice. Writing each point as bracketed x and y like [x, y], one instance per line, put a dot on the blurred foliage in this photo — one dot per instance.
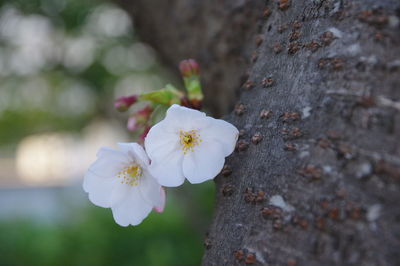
[51, 47]
[35, 121]
[70, 13]
[93, 238]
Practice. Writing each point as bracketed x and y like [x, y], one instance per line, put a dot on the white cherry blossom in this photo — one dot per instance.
[120, 180]
[188, 144]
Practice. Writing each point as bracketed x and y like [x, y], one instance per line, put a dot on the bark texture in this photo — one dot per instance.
[315, 179]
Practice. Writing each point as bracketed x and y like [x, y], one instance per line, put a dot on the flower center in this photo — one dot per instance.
[130, 175]
[189, 140]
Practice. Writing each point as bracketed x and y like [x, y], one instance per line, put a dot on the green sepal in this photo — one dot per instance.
[167, 96]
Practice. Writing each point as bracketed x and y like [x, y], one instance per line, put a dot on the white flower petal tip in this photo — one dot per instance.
[160, 208]
[187, 143]
[121, 180]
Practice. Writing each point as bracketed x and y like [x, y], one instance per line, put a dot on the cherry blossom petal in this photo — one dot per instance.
[166, 156]
[182, 118]
[158, 140]
[163, 194]
[150, 189]
[168, 171]
[99, 189]
[134, 151]
[223, 132]
[109, 162]
[140, 154]
[132, 210]
[120, 193]
[204, 163]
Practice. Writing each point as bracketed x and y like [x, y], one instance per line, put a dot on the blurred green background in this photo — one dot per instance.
[62, 64]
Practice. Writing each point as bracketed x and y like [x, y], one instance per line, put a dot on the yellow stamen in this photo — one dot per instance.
[130, 175]
[189, 140]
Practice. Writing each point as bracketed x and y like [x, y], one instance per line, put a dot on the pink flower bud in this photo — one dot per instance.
[122, 104]
[139, 119]
[132, 124]
[189, 67]
[145, 112]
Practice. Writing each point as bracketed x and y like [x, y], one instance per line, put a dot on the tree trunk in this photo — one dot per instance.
[315, 179]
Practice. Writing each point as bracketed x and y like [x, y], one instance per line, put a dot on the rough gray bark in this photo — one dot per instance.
[320, 120]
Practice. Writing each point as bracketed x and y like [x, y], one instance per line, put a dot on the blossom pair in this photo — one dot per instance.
[186, 144]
